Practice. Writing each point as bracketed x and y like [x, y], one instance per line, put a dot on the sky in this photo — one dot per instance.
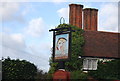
[24, 26]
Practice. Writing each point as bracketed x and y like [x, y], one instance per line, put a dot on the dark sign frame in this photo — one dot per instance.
[69, 46]
[60, 31]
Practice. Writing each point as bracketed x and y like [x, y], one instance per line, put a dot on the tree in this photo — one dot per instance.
[41, 76]
[18, 69]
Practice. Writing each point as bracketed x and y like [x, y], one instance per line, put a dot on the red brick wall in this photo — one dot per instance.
[61, 75]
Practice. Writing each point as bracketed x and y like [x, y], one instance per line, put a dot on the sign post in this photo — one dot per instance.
[61, 52]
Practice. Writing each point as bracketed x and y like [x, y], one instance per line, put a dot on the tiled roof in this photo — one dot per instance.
[101, 44]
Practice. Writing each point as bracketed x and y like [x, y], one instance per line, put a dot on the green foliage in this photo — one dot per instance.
[76, 50]
[107, 70]
[41, 76]
[78, 74]
[18, 69]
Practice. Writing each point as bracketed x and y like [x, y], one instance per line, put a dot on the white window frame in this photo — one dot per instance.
[90, 64]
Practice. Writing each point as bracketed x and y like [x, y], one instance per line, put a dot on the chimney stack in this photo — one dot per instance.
[75, 15]
[90, 19]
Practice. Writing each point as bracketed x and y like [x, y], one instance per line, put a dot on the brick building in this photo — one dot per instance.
[97, 43]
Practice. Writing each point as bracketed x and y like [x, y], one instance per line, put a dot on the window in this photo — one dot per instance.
[90, 64]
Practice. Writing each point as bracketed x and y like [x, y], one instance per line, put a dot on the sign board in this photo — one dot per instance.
[90, 64]
[62, 46]
[62, 43]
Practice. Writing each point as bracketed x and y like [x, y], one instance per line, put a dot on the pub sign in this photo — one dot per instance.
[61, 44]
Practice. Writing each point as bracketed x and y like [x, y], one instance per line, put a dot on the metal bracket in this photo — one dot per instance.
[62, 19]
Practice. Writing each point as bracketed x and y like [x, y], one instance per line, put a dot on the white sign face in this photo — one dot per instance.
[61, 46]
[90, 64]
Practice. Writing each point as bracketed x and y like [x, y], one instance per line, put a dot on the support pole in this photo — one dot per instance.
[61, 65]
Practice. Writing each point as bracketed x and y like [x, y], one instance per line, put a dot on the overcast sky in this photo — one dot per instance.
[25, 27]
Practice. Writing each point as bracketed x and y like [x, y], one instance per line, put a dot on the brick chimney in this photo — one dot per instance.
[90, 19]
[75, 15]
